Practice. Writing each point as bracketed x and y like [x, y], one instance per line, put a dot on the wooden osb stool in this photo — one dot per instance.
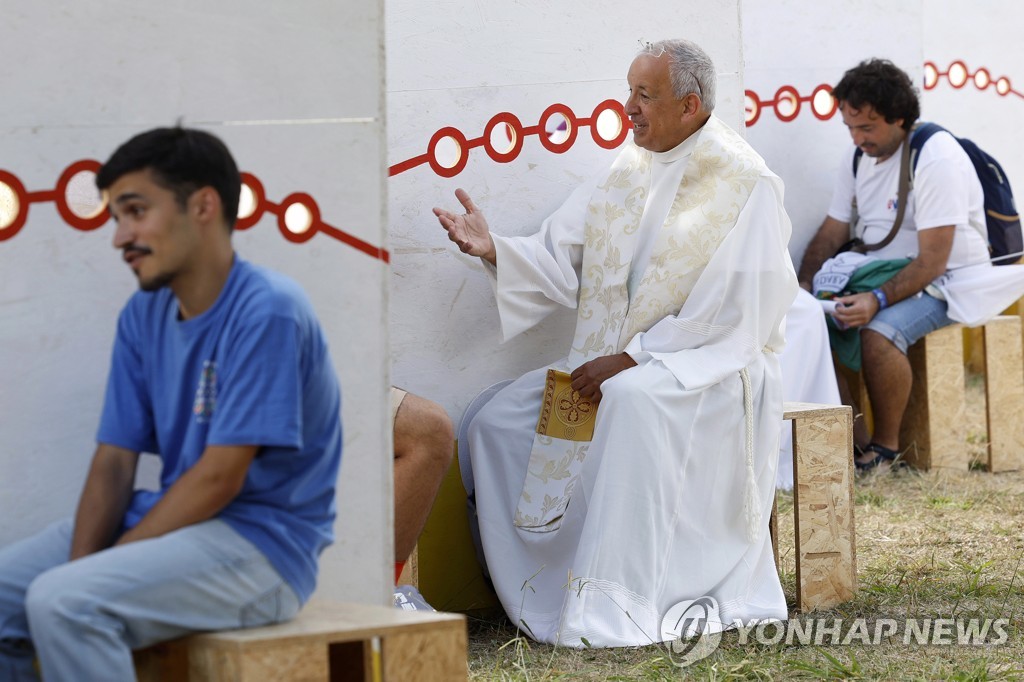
[337, 642]
[932, 433]
[826, 550]
[1004, 393]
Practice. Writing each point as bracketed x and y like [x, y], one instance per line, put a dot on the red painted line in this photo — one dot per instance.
[478, 142]
[355, 242]
[408, 164]
[47, 195]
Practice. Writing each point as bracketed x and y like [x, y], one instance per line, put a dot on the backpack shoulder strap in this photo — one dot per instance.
[921, 133]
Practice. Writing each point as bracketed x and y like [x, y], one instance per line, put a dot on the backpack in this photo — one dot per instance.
[1005, 238]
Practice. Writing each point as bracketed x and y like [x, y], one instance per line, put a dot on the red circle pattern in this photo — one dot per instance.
[259, 197]
[460, 142]
[570, 121]
[515, 127]
[21, 195]
[59, 196]
[615, 106]
[314, 213]
[70, 217]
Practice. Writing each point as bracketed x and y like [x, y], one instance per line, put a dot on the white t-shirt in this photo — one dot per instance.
[946, 191]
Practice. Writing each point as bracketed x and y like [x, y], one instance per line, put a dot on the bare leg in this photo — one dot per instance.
[424, 441]
[888, 377]
[861, 437]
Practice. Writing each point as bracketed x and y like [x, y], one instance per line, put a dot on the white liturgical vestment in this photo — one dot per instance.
[678, 259]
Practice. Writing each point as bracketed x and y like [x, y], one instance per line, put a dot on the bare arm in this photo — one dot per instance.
[199, 494]
[469, 231]
[830, 236]
[934, 246]
[105, 497]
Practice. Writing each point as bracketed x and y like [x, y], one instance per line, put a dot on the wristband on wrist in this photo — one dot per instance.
[883, 301]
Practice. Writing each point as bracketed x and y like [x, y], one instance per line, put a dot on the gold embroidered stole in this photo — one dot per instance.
[719, 177]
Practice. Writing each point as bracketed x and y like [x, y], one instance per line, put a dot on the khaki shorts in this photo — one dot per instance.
[397, 396]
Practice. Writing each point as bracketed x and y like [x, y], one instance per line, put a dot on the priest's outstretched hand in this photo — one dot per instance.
[469, 231]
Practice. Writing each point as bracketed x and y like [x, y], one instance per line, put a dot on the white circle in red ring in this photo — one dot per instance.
[787, 93]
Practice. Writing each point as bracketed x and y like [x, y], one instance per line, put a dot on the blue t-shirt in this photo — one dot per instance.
[252, 370]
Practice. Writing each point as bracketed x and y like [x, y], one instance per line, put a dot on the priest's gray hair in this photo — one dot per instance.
[690, 69]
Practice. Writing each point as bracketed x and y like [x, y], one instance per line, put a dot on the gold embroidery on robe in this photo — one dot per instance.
[564, 413]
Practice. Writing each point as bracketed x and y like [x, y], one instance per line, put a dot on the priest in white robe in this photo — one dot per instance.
[676, 261]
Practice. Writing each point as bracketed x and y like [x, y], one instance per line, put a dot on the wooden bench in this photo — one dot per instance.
[326, 641]
[826, 548]
[933, 434]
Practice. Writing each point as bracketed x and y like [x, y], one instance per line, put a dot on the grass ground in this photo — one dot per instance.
[929, 545]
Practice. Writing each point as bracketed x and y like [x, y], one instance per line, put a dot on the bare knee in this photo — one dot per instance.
[423, 427]
[874, 344]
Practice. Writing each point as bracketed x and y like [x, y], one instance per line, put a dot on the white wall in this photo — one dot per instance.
[458, 64]
[297, 96]
[803, 44]
[984, 36]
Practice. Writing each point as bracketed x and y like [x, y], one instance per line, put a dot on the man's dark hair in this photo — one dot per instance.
[884, 86]
[181, 160]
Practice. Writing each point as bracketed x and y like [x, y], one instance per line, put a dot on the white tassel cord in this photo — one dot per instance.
[752, 500]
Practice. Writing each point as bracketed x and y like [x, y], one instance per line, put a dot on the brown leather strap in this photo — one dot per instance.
[901, 200]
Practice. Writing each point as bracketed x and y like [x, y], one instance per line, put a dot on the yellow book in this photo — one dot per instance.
[563, 412]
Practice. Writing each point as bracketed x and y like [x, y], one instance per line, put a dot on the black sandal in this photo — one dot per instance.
[882, 454]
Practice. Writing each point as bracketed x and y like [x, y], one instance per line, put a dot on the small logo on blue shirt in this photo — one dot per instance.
[206, 393]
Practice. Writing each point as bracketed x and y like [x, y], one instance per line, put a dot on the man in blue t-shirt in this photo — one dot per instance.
[220, 367]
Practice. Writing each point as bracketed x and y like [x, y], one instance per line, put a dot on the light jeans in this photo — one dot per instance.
[84, 617]
[911, 319]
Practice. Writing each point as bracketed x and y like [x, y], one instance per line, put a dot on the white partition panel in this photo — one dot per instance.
[295, 89]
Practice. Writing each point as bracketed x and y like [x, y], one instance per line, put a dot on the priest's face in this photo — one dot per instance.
[871, 132]
[657, 115]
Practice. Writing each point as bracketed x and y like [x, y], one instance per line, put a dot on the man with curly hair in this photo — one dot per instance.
[942, 228]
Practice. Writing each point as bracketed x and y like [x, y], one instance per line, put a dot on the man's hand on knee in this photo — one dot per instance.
[856, 310]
